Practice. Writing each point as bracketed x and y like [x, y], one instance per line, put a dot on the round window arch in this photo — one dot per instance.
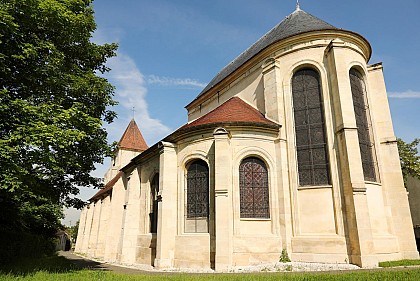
[364, 127]
[311, 141]
[253, 186]
[197, 197]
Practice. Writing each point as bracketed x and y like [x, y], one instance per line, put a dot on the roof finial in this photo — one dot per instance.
[133, 110]
[297, 5]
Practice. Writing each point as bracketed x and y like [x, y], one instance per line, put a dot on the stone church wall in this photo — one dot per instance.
[146, 241]
[348, 220]
[115, 226]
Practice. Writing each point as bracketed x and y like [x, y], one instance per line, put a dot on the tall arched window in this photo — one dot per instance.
[253, 186]
[153, 215]
[364, 129]
[197, 193]
[311, 141]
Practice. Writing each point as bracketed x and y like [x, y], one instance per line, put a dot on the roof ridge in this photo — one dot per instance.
[295, 23]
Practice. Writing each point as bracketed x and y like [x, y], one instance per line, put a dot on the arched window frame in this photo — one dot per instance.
[196, 213]
[364, 125]
[254, 188]
[313, 164]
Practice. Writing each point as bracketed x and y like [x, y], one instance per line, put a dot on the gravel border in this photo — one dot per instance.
[263, 267]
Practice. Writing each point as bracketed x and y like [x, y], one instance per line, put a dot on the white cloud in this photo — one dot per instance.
[131, 92]
[169, 81]
[409, 94]
[107, 35]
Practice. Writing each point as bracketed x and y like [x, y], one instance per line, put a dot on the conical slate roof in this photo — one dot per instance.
[296, 23]
[132, 139]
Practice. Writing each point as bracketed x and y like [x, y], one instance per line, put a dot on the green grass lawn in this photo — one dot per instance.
[58, 268]
[399, 263]
[404, 274]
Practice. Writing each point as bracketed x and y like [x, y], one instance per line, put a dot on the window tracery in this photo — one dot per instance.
[311, 142]
[361, 111]
[197, 197]
[253, 185]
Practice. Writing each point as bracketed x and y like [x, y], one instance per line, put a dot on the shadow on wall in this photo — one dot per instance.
[413, 189]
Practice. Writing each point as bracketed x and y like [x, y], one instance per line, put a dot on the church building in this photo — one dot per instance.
[289, 148]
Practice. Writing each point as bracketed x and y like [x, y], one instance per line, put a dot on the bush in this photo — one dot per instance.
[284, 256]
[16, 245]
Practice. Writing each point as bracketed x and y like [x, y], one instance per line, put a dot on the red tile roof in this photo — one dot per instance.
[132, 139]
[234, 110]
[108, 187]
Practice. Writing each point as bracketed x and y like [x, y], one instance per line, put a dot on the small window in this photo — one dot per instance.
[197, 194]
[311, 141]
[253, 185]
[364, 127]
[153, 215]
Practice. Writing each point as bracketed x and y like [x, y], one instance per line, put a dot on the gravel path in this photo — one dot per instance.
[83, 262]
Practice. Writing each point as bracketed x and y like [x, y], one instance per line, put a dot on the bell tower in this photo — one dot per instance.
[130, 145]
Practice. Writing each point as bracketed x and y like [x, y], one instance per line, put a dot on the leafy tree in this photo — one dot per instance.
[73, 231]
[410, 160]
[52, 106]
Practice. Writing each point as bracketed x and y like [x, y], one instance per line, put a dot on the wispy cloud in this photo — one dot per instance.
[169, 81]
[131, 92]
[409, 94]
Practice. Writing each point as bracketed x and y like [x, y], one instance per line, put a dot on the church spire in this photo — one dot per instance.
[132, 139]
[297, 5]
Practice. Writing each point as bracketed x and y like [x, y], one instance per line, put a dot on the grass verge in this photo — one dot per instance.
[28, 266]
[404, 274]
[59, 268]
[399, 263]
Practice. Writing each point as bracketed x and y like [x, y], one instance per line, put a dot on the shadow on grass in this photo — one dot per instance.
[59, 263]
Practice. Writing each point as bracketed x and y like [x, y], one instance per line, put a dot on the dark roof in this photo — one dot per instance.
[107, 188]
[132, 139]
[296, 23]
[234, 110]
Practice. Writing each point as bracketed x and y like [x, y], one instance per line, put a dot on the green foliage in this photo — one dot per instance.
[289, 268]
[31, 265]
[399, 263]
[16, 245]
[73, 232]
[52, 106]
[284, 257]
[410, 160]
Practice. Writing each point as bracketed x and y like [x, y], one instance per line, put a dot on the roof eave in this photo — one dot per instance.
[196, 130]
[203, 95]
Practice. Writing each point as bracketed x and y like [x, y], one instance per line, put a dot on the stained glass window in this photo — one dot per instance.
[197, 205]
[311, 144]
[253, 185]
[361, 111]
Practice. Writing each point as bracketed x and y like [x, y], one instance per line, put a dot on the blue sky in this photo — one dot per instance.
[170, 49]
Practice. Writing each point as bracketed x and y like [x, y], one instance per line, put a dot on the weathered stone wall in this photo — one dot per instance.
[349, 220]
